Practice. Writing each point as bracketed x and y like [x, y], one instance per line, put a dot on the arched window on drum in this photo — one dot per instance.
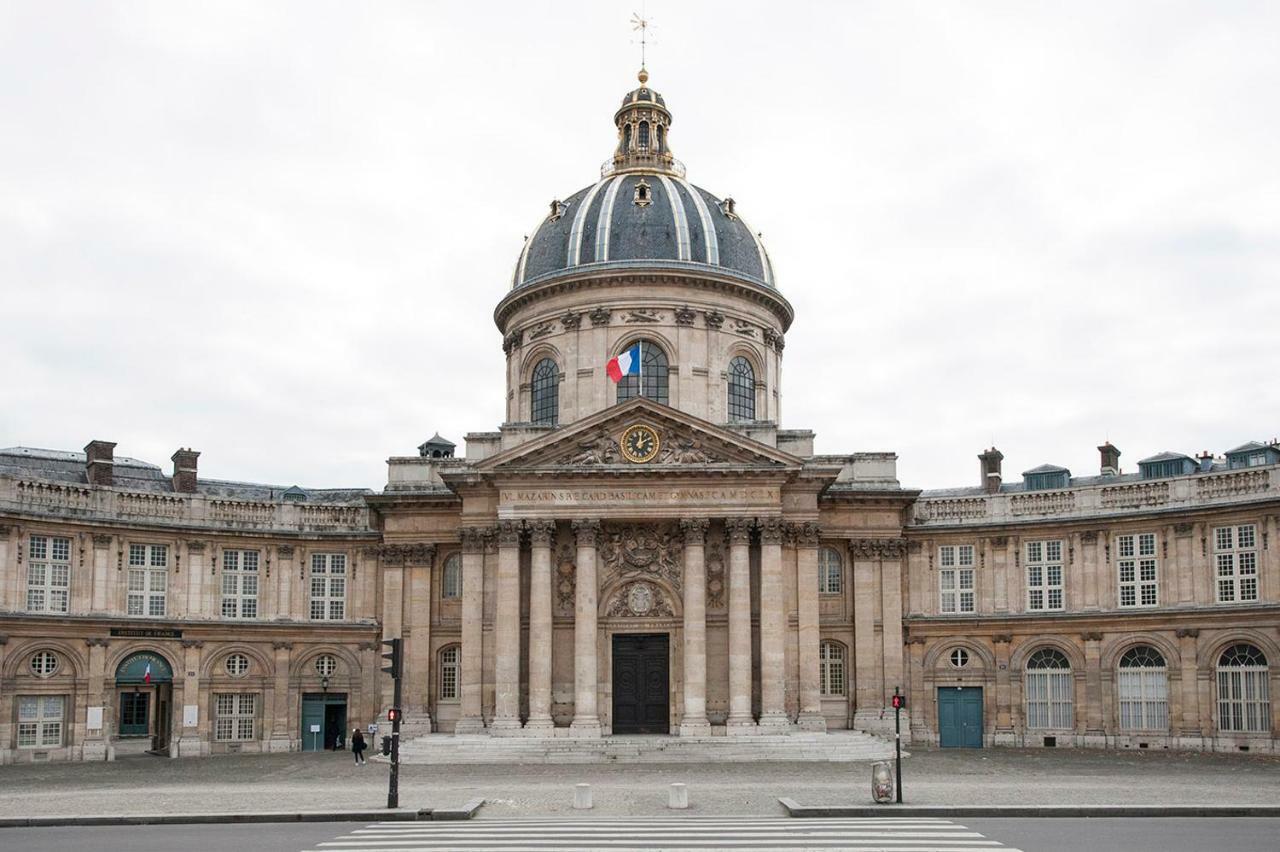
[742, 390]
[654, 374]
[545, 393]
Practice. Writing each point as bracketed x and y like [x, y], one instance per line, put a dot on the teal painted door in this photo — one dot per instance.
[134, 721]
[324, 717]
[960, 716]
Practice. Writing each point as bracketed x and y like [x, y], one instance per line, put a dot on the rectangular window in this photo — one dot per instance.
[328, 586]
[449, 674]
[1136, 570]
[40, 721]
[48, 573]
[956, 578]
[239, 584]
[234, 716]
[1143, 694]
[1236, 557]
[1049, 700]
[1044, 576]
[148, 579]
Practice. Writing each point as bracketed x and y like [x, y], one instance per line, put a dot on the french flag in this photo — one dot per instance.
[626, 364]
[146, 676]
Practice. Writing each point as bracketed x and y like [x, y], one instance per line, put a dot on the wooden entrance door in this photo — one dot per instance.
[960, 716]
[641, 686]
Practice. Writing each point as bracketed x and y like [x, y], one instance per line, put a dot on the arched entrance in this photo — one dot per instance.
[144, 696]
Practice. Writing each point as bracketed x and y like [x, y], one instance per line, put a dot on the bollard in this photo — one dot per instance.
[679, 797]
[582, 797]
[882, 782]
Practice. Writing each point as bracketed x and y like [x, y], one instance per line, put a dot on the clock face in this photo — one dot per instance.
[639, 444]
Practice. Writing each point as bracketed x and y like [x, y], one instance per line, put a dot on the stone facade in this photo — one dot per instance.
[665, 558]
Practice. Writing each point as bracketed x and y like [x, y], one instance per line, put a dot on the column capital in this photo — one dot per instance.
[587, 531]
[771, 530]
[541, 531]
[282, 646]
[878, 548]
[695, 530]
[739, 530]
[474, 539]
[806, 534]
[509, 533]
[1187, 632]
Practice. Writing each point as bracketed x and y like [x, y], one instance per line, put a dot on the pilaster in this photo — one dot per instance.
[586, 720]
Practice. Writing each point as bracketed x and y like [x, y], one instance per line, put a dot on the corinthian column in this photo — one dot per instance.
[540, 533]
[586, 721]
[694, 721]
[473, 544]
[506, 631]
[773, 628]
[811, 718]
[740, 720]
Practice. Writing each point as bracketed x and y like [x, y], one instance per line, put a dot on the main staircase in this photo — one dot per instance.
[834, 747]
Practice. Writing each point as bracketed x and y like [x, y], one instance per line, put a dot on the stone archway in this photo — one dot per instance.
[144, 698]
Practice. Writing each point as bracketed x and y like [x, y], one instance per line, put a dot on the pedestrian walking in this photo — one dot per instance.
[357, 746]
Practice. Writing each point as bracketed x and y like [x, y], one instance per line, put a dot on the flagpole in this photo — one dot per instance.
[640, 353]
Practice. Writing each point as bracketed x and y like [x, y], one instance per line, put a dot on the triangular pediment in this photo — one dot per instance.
[685, 443]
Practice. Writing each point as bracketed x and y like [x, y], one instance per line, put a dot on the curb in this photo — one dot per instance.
[467, 811]
[795, 809]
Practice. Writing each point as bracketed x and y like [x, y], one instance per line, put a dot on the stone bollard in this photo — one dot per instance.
[678, 799]
[582, 797]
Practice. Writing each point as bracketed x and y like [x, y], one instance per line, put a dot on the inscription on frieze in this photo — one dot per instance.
[589, 496]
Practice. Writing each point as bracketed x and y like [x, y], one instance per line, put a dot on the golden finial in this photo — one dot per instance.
[643, 75]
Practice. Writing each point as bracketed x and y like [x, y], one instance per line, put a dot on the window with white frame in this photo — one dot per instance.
[239, 584]
[148, 579]
[1244, 705]
[451, 581]
[234, 716]
[830, 571]
[1044, 576]
[1142, 687]
[43, 664]
[955, 578]
[1136, 569]
[449, 673]
[831, 668]
[1049, 691]
[1235, 551]
[40, 721]
[48, 573]
[237, 665]
[326, 665]
[328, 586]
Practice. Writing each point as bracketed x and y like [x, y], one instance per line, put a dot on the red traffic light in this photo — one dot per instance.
[899, 701]
[393, 714]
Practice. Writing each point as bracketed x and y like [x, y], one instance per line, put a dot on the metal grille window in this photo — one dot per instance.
[830, 571]
[328, 586]
[234, 717]
[148, 579]
[1244, 705]
[955, 578]
[48, 573]
[1236, 556]
[545, 393]
[326, 665]
[239, 584]
[1142, 685]
[40, 721]
[1044, 575]
[831, 668]
[1136, 566]
[654, 372]
[742, 390]
[449, 674]
[451, 582]
[1049, 691]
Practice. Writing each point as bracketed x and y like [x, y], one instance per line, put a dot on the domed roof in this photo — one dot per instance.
[643, 219]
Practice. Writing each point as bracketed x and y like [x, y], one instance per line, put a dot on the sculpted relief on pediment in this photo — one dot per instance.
[603, 447]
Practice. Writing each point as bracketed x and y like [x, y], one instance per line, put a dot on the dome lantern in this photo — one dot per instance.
[643, 122]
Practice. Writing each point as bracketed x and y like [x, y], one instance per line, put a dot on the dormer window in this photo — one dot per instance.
[1166, 465]
[558, 208]
[726, 207]
[642, 197]
[295, 495]
[1046, 478]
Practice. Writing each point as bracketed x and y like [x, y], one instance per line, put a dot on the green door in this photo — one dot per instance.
[960, 716]
[133, 714]
[324, 717]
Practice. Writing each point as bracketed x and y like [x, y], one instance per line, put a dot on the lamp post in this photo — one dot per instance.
[324, 702]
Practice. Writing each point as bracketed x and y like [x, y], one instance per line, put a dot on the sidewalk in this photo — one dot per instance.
[309, 782]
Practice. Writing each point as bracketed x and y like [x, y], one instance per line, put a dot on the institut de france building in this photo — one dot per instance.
[657, 555]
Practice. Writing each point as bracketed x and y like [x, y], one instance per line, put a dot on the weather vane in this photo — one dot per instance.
[641, 23]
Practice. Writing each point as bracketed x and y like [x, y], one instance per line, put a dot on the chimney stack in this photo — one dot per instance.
[991, 470]
[1110, 459]
[99, 462]
[1206, 461]
[184, 471]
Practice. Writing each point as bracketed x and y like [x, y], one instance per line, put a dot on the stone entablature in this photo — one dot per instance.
[75, 502]
[1099, 499]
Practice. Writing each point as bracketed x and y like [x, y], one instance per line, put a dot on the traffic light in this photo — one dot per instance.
[899, 702]
[386, 746]
[392, 655]
[393, 714]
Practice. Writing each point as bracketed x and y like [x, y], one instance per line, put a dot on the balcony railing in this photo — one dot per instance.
[656, 162]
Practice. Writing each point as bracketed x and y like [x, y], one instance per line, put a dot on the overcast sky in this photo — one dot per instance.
[275, 232]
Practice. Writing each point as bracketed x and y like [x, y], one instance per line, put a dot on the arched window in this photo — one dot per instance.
[830, 571]
[742, 390]
[1142, 687]
[653, 373]
[545, 392]
[626, 137]
[1243, 703]
[643, 137]
[831, 668]
[449, 673]
[1049, 691]
[657, 133]
[451, 582]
